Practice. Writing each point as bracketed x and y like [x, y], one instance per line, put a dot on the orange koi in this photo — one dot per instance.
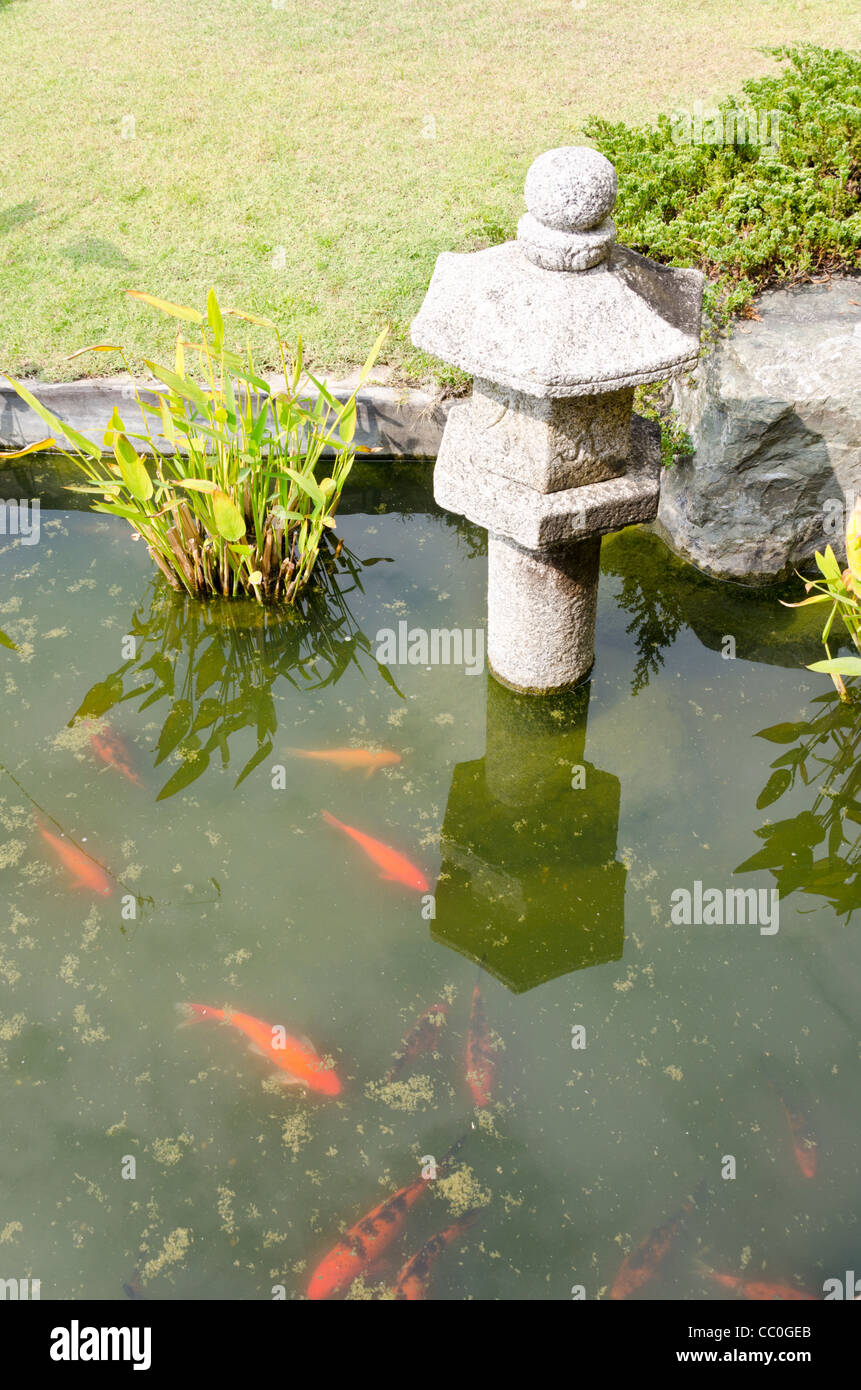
[297, 1058]
[759, 1291]
[414, 1279]
[480, 1059]
[363, 1244]
[109, 747]
[804, 1144]
[348, 758]
[86, 872]
[392, 865]
[805, 1147]
[642, 1264]
[422, 1037]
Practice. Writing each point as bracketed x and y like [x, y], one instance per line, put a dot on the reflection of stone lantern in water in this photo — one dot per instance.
[529, 883]
[557, 329]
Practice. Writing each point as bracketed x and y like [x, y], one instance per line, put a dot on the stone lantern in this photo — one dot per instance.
[557, 328]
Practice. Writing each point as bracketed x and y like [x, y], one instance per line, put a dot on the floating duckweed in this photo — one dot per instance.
[11, 1027]
[12, 1229]
[359, 1290]
[9, 971]
[75, 737]
[296, 1133]
[175, 1247]
[416, 1093]
[10, 853]
[462, 1190]
[225, 1210]
[68, 969]
[167, 1152]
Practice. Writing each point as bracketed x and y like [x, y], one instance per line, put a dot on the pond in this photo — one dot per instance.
[613, 1075]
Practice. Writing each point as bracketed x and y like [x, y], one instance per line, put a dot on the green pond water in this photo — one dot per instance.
[552, 835]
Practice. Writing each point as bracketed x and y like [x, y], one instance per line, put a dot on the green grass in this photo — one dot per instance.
[303, 128]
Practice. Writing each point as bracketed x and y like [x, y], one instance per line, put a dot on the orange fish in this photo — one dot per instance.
[296, 1058]
[414, 1278]
[348, 758]
[392, 866]
[779, 1293]
[642, 1264]
[804, 1144]
[805, 1147]
[363, 1244]
[108, 746]
[86, 872]
[422, 1037]
[480, 1059]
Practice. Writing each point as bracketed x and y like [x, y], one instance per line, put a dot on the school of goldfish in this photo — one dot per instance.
[298, 1063]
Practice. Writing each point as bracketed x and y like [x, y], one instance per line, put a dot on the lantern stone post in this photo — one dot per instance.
[557, 328]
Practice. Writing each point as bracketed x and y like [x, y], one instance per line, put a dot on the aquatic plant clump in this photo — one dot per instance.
[232, 504]
[842, 590]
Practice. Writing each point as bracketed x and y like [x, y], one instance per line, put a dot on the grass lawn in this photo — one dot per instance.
[312, 159]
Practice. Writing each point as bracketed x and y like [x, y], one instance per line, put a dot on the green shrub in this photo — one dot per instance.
[762, 206]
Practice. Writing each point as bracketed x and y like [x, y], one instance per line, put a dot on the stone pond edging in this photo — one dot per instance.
[774, 411]
[392, 420]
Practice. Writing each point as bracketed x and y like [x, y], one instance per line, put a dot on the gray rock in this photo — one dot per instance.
[774, 412]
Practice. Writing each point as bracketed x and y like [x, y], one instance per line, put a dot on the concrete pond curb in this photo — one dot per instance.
[393, 421]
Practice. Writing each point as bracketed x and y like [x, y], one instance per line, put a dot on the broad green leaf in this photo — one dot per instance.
[30, 449]
[307, 484]
[133, 469]
[181, 385]
[99, 699]
[254, 761]
[210, 667]
[100, 488]
[216, 322]
[839, 666]
[84, 445]
[372, 355]
[252, 318]
[347, 423]
[782, 733]
[174, 729]
[117, 509]
[805, 602]
[176, 311]
[198, 484]
[7, 641]
[167, 428]
[113, 427]
[187, 772]
[229, 521]
[96, 347]
[828, 565]
[853, 542]
[774, 788]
